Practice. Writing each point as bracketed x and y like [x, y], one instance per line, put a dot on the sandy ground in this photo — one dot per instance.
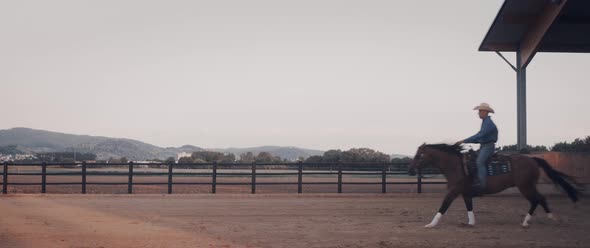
[281, 220]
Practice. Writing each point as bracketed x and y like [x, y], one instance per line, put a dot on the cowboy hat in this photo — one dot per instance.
[484, 106]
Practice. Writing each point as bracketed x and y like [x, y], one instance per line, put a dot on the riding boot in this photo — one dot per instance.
[476, 188]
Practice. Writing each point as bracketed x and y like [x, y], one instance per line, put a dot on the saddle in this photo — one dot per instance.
[496, 164]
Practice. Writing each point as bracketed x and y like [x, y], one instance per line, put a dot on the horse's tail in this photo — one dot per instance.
[559, 178]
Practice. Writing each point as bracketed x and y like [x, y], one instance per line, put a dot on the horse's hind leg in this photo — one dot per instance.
[531, 194]
[535, 198]
[545, 206]
[543, 203]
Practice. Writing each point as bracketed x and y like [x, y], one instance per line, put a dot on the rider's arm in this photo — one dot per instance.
[487, 128]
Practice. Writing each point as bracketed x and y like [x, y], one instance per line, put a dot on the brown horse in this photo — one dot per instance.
[524, 175]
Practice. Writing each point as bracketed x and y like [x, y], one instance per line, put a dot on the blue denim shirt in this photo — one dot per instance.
[487, 134]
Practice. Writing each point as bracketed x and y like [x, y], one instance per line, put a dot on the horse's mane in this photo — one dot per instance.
[452, 149]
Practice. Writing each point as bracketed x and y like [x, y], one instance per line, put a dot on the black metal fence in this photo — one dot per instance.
[302, 169]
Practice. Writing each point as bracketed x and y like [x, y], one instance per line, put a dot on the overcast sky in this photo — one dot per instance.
[387, 75]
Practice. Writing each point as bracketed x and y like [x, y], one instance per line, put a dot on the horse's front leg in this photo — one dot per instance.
[469, 205]
[451, 195]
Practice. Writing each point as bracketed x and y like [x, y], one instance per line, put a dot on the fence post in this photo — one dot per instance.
[383, 179]
[419, 180]
[43, 177]
[170, 177]
[300, 178]
[339, 177]
[83, 177]
[5, 179]
[130, 181]
[214, 178]
[253, 177]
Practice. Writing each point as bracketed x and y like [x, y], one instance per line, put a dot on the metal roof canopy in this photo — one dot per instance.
[530, 26]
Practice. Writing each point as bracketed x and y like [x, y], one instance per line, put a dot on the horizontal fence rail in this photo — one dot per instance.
[300, 169]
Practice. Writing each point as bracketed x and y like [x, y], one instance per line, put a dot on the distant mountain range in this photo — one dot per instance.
[38, 141]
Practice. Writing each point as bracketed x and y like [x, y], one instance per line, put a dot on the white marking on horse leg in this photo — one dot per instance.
[471, 218]
[551, 216]
[435, 220]
[525, 223]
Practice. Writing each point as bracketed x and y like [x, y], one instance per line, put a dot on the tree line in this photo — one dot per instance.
[10, 150]
[354, 155]
[578, 145]
[211, 157]
[62, 157]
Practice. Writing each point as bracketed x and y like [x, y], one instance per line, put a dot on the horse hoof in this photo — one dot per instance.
[466, 225]
[525, 226]
[552, 217]
[429, 226]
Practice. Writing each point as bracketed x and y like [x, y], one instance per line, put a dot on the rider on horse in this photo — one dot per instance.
[486, 137]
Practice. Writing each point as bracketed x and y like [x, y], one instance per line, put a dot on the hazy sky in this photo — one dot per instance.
[387, 75]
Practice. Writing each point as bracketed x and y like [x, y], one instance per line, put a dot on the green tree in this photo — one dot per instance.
[314, 159]
[247, 157]
[228, 158]
[332, 156]
[170, 160]
[185, 160]
[354, 155]
[513, 148]
[209, 156]
[264, 157]
[364, 155]
[578, 145]
[401, 160]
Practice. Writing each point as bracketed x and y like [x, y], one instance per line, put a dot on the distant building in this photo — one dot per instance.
[16, 157]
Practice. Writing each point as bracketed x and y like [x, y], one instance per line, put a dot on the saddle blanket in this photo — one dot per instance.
[498, 167]
[494, 167]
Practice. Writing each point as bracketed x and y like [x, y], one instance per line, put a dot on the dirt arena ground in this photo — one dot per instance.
[281, 220]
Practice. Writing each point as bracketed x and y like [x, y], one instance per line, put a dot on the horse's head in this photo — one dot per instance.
[421, 159]
[431, 154]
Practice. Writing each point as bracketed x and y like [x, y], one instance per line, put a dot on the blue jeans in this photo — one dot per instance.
[485, 151]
